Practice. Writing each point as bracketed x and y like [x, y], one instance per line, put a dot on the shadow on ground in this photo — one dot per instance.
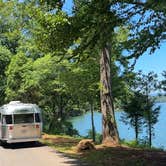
[22, 145]
[125, 156]
[71, 160]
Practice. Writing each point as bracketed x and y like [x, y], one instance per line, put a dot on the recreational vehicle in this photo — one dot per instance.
[20, 122]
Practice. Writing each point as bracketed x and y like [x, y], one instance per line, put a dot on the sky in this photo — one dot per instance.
[155, 62]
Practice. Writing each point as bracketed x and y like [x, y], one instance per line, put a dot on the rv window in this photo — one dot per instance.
[7, 119]
[37, 117]
[23, 118]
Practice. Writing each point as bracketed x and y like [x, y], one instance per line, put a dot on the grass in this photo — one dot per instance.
[62, 143]
[112, 156]
[125, 155]
[135, 144]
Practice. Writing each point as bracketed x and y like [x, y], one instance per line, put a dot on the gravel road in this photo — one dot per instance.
[28, 154]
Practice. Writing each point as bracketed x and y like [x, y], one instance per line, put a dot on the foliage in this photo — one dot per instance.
[62, 127]
[146, 85]
[133, 112]
[151, 118]
[19, 65]
[140, 110]
[98, 137]
[54, 125]
[163, 82]
[97, 30]
[55, 59]
[10, 25]
[5, 56]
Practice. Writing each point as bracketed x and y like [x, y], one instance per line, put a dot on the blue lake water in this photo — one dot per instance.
[83, 125]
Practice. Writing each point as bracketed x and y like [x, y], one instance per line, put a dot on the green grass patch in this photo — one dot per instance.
[140, 145]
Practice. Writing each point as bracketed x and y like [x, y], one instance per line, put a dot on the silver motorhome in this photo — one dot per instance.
[20, 122]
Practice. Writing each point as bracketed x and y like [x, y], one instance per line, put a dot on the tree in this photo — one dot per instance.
[148, 84]
[151, 114]
[5, 56]
[94, 24]
[41, 29]
[82, 83]
[140, 109]
[40, 82]
[133, 112]
[10, 25]
[31, 78]
[15, 74]
[98, 23]
[163, 82]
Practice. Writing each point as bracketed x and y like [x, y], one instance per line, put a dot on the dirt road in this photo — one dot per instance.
[28, 154]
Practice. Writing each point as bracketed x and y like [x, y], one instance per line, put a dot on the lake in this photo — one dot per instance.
[83, 125]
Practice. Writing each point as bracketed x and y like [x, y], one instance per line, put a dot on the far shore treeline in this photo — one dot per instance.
[79, 60]
[160, 99]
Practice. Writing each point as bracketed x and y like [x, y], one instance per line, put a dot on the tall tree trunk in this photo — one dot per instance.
[110, 132]
[92, 121]
[150, 128]
[60, 108]
[136, 129]
[149, 116]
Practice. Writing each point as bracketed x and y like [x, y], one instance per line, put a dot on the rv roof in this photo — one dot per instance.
[15, 102]
[16, 107]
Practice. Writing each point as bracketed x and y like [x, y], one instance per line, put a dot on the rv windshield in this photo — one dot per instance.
[23, 118]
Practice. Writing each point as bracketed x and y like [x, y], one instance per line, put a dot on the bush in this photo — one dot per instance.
[98, 136]
[59, 127]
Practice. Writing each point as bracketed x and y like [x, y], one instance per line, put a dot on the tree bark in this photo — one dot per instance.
[150, 129]
[136, 129]
[110, 132]
[92, 121]
[148, 116]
